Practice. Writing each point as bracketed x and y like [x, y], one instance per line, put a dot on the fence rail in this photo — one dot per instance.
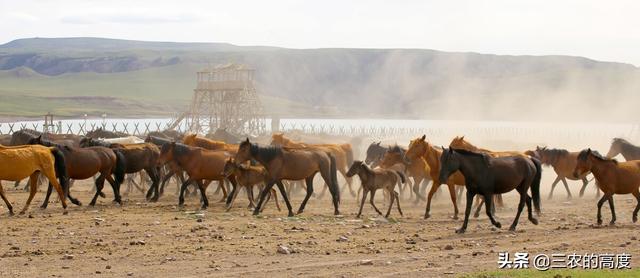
[372, 129]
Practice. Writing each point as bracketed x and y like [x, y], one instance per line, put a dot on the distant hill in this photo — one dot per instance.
[157, 78]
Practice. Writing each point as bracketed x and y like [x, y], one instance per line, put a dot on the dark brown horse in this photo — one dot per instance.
[621, 146]
[137, 157]
[487, 175]
[612, 177]
[563, 163]
[171, 168]
[84, 163]
[292, 164]
[103, 133]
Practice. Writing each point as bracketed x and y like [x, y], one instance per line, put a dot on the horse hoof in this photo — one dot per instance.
[476, 215]
[512, 229]
[498, 225]
[599, 222]
[534, 221]
[204, 207]
[65, 212]
[426, 216]
[102, 195]
[460, 231]
[635, 219]
[255, 213]
[43, 207]
[612, 223]
[21, 212]
[358, 216]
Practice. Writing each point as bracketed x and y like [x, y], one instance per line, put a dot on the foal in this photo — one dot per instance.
[247, 177]
[375, 179]
[612, 177]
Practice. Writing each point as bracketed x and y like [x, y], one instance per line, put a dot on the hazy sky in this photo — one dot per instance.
[602, 30]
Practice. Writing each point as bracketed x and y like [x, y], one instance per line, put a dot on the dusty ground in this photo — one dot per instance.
[144, 240]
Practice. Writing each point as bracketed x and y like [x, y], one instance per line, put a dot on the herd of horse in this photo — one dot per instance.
[289, 165]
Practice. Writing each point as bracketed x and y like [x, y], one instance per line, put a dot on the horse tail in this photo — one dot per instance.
[535, 186]
[333, 187]
[60, 168]
[403, 178]
[121, 167]
[349, 152]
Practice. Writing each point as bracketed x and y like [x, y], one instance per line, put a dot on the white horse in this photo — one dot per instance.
[124, 140]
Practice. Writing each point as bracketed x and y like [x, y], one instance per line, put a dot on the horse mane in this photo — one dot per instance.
[482, 155]
[554, 154]
[265, 153]
[396, 149]
[181, 149]
[583, 156]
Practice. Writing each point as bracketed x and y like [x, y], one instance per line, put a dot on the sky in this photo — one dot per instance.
[600, 30]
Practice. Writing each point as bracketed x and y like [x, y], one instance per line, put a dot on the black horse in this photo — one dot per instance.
[486, 175]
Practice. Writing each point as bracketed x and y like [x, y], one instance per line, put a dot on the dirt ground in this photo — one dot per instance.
[143, 239]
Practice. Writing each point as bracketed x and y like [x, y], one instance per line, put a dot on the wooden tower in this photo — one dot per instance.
[224, 98]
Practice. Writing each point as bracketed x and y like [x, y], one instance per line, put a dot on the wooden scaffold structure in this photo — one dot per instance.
[225, 98]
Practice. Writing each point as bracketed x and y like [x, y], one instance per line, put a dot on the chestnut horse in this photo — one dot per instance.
[563, 163]
[612, 177]
[292, 164]
[200, 164]
[487, 176]
[420, 148]
[195, 141]
[342, 153]
[84, 163]
[19, 162]
[416, 167]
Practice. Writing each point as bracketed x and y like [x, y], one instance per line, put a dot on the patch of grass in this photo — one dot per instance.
[556, 273]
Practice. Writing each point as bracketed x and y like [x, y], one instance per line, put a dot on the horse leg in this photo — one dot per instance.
[98, 185]
[117, 198]
[452, 192]
[488, 203]
[523, 198]
[164, 181]
[182, 189]
[309, 182]
[416, 190]
[6, 201]
[263, 194]
[479, 203]
[203, 194]
[233, 194]
[69, 183]
[275, 198]
[364, 197]
[349, 182]
[398, 202]
[373, 195]
[600, 202]
[284, 196]
[434, 188]
[45, 203]
[33, 188]
[530, 211]
[154, 175]
[613, 210]
[467, 211]
[585, 181]
[390, 203]
[635, 211]
[566, 187]
[221, 184]
[553, 187]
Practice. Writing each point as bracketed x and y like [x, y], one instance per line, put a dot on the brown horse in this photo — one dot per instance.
[563, 163]
[200, 164]
[247, 177]
[374, 179]
[84, 163]
[292, 164]
[103, 133]
[206, 143]
[612, 177]
[420, 148]
[19, 162]
[621, 146]
[342, 153]
[137, 157]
